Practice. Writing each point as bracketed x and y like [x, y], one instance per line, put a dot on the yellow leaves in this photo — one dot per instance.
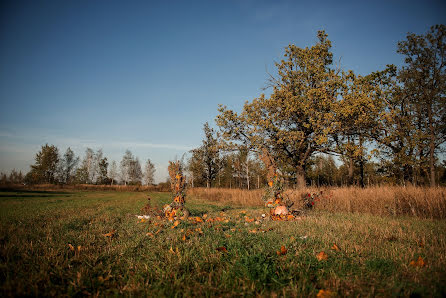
[175, 252]
[248, 219]
[282, 251]
[110, 234]
[198, 219]
[322, 256]
[325, 294]
[335, 247]
[175, 224]
[270, 184]
[418, 263]
[222, 249]
[73, 249]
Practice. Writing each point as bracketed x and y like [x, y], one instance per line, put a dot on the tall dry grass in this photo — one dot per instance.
[239, 197]
[385, 200]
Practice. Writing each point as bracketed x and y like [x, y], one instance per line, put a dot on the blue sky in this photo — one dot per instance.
[146, 75]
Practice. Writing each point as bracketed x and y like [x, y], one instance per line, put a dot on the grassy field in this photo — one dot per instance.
[91, 243]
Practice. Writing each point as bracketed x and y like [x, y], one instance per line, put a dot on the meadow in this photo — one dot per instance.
[372, 242]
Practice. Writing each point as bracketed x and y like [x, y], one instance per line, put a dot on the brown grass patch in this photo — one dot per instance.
[389, 200]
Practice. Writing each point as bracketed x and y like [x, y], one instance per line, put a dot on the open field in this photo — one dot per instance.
[82, 243]
[384, 201]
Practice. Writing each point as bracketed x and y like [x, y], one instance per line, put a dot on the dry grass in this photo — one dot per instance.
[413, 201]
[239, 197]
[56, 244]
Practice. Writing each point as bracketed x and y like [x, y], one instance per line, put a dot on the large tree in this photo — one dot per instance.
[208, 155]
[68, 166]
[400, 142]
[424, 79]
[357, 113]
[46, 165]
[113, 172]
[149, 173]
[297, 119]
[130, 169]
[126, 165]
[102, 177]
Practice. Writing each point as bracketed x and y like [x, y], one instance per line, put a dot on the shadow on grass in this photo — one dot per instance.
[22, 193]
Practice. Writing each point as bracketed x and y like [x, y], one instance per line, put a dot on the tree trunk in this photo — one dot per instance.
[361, 163]
[431, 146]
[350, 171]
[247, 175]
[361, 168]
[301, 177]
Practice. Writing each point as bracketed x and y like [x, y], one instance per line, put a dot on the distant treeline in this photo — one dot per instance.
[213, 165]
[51, 167]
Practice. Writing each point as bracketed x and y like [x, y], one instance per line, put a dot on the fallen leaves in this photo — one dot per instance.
[198, 219]
[248, 219]
[222, 249]
[335, 247]
[325, 294]
[322, 256]
[283, 217]
[110, 234]
[175, 224]
[282, 251]
[418, 263]
[75, 250]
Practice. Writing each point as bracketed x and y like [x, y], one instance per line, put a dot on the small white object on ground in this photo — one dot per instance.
[143, 216]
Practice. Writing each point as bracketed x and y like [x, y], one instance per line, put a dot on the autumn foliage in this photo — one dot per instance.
[178, 187]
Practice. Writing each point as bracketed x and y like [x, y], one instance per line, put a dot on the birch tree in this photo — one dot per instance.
[149, 173]
[113, 172]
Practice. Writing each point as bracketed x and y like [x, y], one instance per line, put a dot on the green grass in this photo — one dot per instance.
[36, 229]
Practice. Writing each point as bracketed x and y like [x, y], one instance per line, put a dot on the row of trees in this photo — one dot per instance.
[94, 168]
[396, 116]
[212, 165]
[215, 164]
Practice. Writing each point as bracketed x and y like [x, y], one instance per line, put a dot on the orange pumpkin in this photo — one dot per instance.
[281, 210]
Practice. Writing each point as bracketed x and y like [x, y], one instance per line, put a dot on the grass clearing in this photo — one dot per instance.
[36, 229]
